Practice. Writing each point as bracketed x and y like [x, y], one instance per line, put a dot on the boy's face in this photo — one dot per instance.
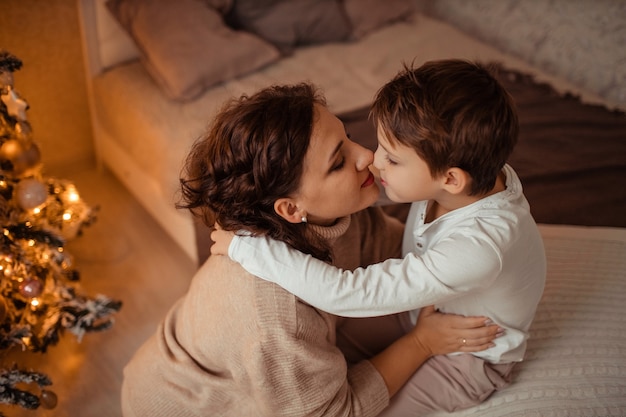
[403, 173]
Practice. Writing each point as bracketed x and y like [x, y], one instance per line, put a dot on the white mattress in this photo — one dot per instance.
[160, 135]
[576, 359]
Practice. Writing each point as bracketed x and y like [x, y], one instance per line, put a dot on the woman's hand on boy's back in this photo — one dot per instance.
[440, 333]
[221, 239]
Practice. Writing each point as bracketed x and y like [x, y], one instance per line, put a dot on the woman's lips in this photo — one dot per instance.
[369, 181]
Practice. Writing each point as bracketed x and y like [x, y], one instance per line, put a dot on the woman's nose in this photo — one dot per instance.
[365, 157]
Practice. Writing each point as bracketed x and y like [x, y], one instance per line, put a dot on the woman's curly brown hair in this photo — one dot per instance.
[253, 155]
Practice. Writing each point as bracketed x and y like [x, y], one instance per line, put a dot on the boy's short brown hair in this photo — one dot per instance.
[454, 113]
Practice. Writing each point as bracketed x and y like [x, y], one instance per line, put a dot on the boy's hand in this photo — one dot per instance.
[222, 239]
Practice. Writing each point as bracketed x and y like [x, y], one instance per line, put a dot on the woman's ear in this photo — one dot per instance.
[456, 180]
[288, 210]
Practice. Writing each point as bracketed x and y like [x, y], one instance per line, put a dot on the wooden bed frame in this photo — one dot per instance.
[103, 46]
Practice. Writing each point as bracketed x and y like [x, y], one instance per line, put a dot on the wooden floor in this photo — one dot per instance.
[124, 255]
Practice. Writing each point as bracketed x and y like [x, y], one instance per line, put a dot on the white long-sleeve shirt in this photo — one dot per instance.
[486, 258]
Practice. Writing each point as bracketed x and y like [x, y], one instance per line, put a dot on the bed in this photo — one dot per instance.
[571, 156]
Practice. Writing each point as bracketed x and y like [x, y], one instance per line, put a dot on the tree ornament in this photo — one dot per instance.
[31, 287]
[15, 105]
[48, 399]
[13, 123]
[30, 193]
[17, 156]
[10, 149]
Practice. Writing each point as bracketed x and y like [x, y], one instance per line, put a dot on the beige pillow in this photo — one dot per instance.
[186, 46]
[368, 15]
[290, 23]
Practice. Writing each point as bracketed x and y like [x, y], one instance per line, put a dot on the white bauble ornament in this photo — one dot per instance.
[30, 193]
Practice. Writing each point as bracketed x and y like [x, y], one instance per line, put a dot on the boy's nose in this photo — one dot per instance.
[378, 159]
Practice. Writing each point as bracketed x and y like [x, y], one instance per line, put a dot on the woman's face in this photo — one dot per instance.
[336, 181]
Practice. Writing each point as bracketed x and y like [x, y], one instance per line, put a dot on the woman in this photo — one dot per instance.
[279, 163]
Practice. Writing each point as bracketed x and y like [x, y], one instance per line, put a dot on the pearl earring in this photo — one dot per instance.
[303, 219]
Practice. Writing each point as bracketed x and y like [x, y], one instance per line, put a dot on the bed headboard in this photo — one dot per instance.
[104, 41]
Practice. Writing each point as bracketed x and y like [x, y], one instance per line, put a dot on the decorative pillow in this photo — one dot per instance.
[186, 46]
[367, 15]
[222, 6]
[289, 23]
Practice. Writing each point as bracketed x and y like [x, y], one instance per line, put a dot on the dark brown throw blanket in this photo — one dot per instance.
[571, 157]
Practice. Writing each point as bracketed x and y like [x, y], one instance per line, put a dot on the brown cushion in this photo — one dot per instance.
[222, 6]
[186, 46]
[289, 23]
[366, 16]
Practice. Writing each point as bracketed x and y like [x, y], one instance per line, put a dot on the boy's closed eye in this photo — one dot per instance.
[389, 160]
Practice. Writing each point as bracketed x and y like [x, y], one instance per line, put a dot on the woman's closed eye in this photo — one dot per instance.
[339, 164]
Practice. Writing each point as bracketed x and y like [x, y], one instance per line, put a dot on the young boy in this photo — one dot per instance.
[470, 246]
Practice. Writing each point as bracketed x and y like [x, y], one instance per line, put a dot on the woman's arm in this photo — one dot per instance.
[434, 334]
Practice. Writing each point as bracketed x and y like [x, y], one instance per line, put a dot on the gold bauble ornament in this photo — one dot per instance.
[49, 399]
[22, 156]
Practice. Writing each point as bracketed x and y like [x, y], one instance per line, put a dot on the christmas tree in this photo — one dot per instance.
[40, 297]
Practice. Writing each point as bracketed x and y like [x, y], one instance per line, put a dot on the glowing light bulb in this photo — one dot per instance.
[73, 196]
[70, 194]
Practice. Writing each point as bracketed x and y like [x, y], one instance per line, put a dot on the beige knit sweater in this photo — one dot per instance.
[236, 345]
